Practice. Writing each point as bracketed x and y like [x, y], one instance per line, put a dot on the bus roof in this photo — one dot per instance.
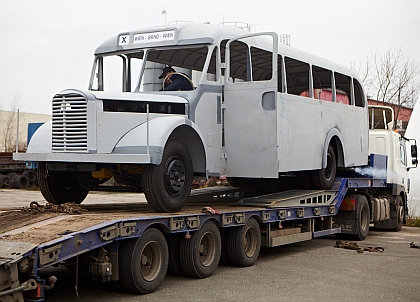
[195, 34]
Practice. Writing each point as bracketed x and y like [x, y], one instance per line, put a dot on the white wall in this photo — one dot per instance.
[10, 118]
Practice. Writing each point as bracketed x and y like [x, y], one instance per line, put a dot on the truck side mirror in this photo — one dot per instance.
[414, 151]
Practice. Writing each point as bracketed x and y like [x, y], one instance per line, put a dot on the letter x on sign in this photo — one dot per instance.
[123, 40]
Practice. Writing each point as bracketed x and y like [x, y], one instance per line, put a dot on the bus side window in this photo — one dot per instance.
[322, 79]
[279, 74]
[358, 94]
[211, 71]
[297, 76]
[343, 88]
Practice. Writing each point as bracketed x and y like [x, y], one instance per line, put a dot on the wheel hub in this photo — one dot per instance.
[175, 174]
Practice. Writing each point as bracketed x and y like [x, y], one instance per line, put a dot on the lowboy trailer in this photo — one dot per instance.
[135, 246]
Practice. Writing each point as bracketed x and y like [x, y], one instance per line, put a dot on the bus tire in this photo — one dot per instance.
[323, 179]
[244, 243]
[59, 187]
[143, 262]
[200, 254]
[168, 185]
[362, 215]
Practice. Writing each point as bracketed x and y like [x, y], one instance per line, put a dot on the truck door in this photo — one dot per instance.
[250, 106]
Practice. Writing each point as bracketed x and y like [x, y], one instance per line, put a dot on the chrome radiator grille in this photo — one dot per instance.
[69, 123]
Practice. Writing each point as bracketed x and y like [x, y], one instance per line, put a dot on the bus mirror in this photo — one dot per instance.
[415, 161]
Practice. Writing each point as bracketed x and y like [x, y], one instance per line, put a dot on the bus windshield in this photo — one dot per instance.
[140, 70]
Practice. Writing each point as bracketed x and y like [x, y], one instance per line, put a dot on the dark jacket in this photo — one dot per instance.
[179, 82]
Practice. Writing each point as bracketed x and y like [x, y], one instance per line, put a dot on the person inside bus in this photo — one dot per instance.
[174, 81]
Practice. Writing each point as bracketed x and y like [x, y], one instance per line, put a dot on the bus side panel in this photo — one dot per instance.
[299, 134]
[208, 117]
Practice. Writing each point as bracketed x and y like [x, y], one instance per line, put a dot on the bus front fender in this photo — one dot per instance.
[151, 137]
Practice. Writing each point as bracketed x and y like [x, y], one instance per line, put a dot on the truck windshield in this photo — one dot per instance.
[140, 70]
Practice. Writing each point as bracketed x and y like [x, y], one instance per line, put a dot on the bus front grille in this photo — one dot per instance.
[69, 123]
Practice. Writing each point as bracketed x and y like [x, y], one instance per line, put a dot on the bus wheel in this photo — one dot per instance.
[244, 243]
[200, 254]
[323, 179]
[143, 262]
[362, 218]
[398, 214]
[168, 185]
[59, 187]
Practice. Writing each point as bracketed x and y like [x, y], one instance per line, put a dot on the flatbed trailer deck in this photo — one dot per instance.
[32, 241]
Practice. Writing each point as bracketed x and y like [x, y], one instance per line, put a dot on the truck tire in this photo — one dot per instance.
[200, 254]
[31, 175]
[362, 215]
[59, 187]
[398, 213]
[20, 182]
[323, 179]
[5, 181]
[143, 262]
[244, 243]
[168, 185]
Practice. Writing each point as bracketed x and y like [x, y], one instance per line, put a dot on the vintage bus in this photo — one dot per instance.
[258, 109]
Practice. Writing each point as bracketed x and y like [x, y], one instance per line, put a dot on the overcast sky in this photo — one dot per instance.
[48, 45]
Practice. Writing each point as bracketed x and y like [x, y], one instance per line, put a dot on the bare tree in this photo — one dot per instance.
[394, 79]
[8, 126]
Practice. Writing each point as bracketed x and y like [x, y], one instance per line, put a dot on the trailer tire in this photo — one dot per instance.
[244, 243]
[168, 185]
[143, 262]
[323, 179]
[200, 254]
[363, 218]
[59, 187]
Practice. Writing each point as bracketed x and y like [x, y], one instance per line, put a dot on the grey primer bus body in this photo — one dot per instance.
[259, 109]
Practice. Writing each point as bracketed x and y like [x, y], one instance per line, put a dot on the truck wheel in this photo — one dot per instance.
[398, 214]
[59, 187]
[323, 179]
[362, 217]
[168, 185]
[5, 181]
[244, 243]
[200, 254]
[31, 175]
[143, 262]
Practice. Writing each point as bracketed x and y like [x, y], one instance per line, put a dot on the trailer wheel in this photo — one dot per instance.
[60, 187]
[363, 218]
[398, 214]
[143, 262]
[200, 254]
[323, 179]
[244, 243]
[168, 185]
